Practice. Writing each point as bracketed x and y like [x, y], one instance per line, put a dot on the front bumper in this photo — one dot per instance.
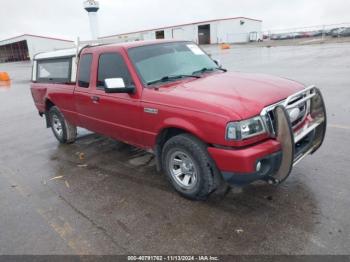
[278, 155]
[239, 167]
[269, 165]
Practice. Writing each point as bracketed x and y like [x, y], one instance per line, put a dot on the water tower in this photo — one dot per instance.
[92, 6]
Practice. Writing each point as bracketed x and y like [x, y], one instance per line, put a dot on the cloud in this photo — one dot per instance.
[67, 18]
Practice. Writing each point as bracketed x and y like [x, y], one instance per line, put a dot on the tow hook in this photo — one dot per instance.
[272, 181]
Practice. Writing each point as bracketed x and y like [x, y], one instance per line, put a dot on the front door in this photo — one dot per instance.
[113, 115]
[83, 93]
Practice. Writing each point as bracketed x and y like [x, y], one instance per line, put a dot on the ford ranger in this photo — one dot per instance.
[207, 127]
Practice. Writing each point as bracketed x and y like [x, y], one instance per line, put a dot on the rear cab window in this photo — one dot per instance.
[112, 65]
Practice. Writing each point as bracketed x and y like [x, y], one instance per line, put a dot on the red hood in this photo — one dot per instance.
[235, 95]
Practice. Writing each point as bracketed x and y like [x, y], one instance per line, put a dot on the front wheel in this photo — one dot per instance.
[65, 132]
[188, 167]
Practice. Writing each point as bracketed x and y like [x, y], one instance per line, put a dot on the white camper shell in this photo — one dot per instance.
[61, 66]
[55, 67]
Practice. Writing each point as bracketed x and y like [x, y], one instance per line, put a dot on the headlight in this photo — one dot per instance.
[245, 129]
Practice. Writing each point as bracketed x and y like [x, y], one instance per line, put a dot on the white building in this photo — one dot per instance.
[24, 47]
[228, 30]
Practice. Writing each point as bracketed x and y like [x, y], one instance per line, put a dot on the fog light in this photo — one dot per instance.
[258, 166]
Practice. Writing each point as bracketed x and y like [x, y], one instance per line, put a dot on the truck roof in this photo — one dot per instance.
[143, 43]
[56, 54]
[128, 45]
[72, 51]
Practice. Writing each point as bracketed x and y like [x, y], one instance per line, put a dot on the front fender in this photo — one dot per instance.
[176, 122]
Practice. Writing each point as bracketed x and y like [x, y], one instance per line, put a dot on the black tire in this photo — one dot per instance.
[68, 132]
[208, 178]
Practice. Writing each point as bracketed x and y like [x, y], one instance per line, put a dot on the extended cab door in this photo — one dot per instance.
[114, 115]
[83, 92]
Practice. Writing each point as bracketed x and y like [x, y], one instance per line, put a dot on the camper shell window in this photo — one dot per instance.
[54, 70]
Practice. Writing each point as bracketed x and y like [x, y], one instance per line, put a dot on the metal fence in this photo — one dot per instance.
[306, 34]
[318, 32]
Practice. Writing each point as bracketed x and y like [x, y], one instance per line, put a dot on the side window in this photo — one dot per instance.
[112, 65]
[54, 70]
[84, 70]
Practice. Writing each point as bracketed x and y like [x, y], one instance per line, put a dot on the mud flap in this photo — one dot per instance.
[47, 118]
[286, 138]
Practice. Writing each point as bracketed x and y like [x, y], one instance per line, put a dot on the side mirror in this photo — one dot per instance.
[117, 85]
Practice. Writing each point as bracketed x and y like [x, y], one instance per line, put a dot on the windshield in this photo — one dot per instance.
[168, 60]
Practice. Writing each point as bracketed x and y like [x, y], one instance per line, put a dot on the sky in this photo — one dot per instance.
[67, 18]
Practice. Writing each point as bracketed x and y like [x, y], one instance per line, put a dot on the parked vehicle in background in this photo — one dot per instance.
[297, 35]
[275, 37]
[255, 37]
[281, 37]
[305, 34]
[206, 127]
[315, 33]
[331, 31]
[286, 36]
[336, 32]
[346, 32]
[343, 32]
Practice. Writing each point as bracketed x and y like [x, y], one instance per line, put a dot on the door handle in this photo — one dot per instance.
[95, 99]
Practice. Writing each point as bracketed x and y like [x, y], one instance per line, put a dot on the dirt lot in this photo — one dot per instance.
[100, 196]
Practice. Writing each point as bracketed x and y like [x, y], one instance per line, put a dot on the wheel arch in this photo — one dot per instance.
[48, 105]
[171, 131]
[167, 133]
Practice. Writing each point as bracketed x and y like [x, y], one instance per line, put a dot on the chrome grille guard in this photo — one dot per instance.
[309, 133]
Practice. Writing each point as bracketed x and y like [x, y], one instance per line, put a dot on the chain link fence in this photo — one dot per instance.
[303, 34]
[311, 32]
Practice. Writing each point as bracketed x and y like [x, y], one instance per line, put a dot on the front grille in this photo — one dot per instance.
[302, 110]
[299, 101]
[309, 137]
[271, 122]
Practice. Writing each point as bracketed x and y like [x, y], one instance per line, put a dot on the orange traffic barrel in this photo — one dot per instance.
[4, 76]
[5, 85]
[225, 46]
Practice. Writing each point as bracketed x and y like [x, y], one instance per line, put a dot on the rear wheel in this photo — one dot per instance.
[188, 167]
[65, 132]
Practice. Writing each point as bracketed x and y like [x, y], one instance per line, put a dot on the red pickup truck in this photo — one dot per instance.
[207, 127]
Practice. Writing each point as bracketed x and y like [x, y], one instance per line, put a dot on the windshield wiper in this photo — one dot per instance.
[169, 78]
[203, 70]
[206, 69]
[222, 69]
